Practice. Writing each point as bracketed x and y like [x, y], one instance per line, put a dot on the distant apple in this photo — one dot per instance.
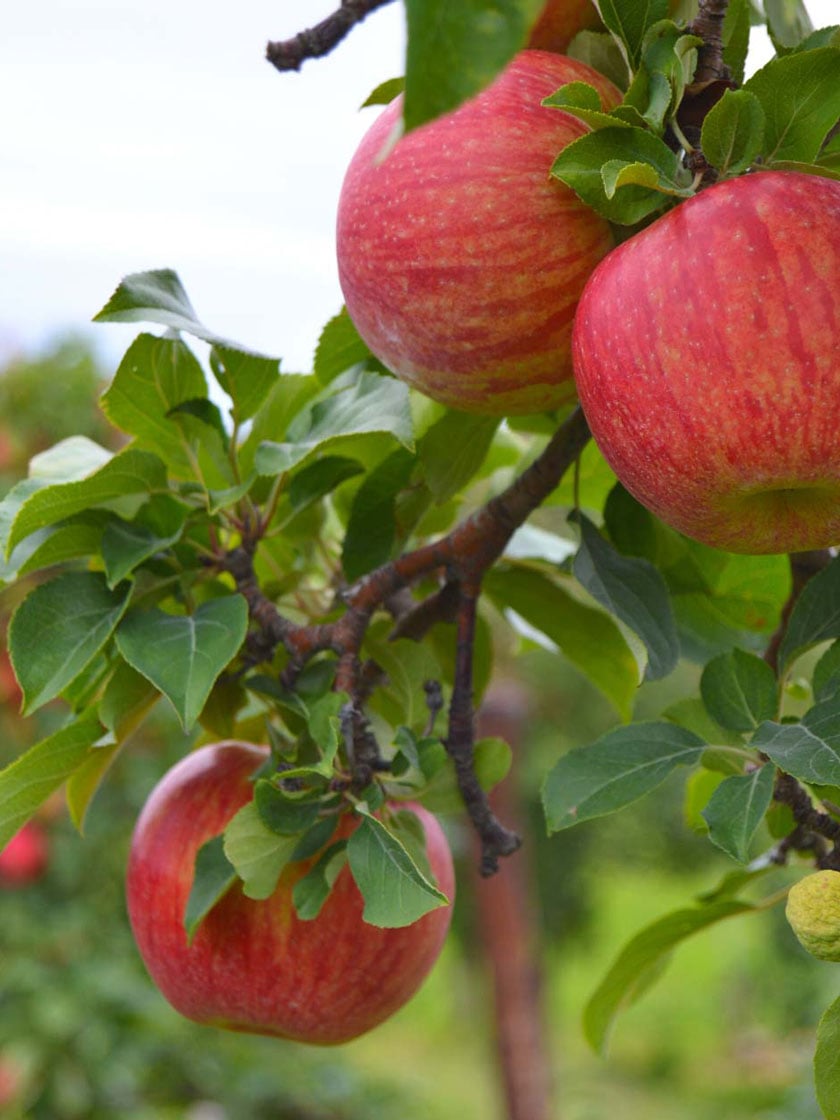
[254, 965]
[25, 858]
[707, 360]
[461, 260]
[11, 1081]
[10, 692]
[560, 21]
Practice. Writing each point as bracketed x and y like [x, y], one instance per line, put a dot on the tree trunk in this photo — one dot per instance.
[509, 925]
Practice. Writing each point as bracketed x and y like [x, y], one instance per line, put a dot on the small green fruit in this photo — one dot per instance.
[813, 910]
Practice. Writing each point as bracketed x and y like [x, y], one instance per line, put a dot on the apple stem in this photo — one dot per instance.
[324, 37]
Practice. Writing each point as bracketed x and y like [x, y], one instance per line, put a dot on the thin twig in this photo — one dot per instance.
[496, 840]
[315, 42]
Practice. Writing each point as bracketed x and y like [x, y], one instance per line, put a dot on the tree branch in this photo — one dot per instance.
[324, 37]
[460, 559]
[495, 839]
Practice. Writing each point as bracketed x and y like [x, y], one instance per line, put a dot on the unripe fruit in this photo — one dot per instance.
[461, 259]
[813, 910]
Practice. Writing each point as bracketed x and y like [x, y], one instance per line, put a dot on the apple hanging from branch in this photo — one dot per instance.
[254, 965]
[707, 361]
[461, 260]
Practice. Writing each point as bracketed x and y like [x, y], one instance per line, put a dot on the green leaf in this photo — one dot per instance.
[339, 348]
[214, 876]
[630, 20]
[581, 166]
[736, 37]
[815, 616]
[587, 637]
[645, 952]
[123, 484]
[739, 690]
[455, 50]
[614, 771]
[634, 591]
[28, 781]
[800, 95]
[453, 449]
[313, 482]
[258, 854]
[69, 460]
[584, 102]
[246, 378]
[285, 814]
[827, 1061]
[78, 536]
[788, 22]
[395, 891]
[372, 531]
[126, 544]
[155, 376]
[826, 680]
[373, 404]
[85, 780]
[669, 57]
[183, 655]
[809, 750]
[408, 665]
[291, 396]
[311, 892]
[157, 296]
[600, 51]
[737, 808]
[384, 93]
[57, 631]
[732, 136]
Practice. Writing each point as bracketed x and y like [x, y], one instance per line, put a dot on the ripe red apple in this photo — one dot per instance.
[254, 965]
[461, 260]
[707, 360]
[25, 858]
[11, 1081]
[560, 21]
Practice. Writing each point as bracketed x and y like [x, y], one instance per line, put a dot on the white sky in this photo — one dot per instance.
[152, 133]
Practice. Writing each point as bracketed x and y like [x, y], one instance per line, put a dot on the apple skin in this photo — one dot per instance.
[707, 361]
[461, 260]
[560, 21]
[25, 858]
[254, 965]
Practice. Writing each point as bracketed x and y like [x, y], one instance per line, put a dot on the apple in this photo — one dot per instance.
[461, 260]
[254, 965]
[560, 21]
[11, 1081]
[25, 858]
[707, 361]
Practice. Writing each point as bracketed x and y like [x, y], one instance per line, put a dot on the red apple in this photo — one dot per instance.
[461, 260]
[560, 21]
[24, 859]
[707, 360]
[254, 965]
[11, 1081]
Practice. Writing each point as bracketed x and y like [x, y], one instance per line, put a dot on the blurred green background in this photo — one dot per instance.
[728, 1032]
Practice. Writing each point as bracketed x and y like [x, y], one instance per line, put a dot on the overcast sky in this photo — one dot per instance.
[153, 134]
